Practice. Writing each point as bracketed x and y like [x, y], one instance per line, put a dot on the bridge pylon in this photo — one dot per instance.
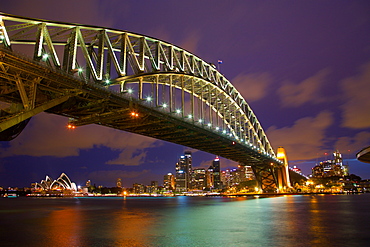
[283, 178]
[273, 177]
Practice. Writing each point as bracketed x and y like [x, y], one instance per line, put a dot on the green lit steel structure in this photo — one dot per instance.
[126, 81]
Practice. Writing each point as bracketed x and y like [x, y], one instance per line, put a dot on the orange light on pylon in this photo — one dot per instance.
[134, 114]
[70, 126]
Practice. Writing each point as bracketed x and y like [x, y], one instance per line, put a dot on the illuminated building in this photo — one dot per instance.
[183, 176]
[169, 181]
[154, 184]
[119, 183]
[138, 188]
[152, 188]
[233, 177]
[62, 183]
[199, 179]
[216, 173]
[88, 183]
[225, 178]
[331, 168]
[209, 177]
[249, 174]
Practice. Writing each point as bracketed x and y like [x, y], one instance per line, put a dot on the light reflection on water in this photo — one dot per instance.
[331, 220]
[60, 227]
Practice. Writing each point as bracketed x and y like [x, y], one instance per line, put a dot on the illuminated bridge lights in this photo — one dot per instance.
[45, 56]
[79, 70]
[130, 90]
[107, 82]
[164, 105]
[134, 114]
[71, 126]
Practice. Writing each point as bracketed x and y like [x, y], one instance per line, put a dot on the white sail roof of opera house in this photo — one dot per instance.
[63, 182]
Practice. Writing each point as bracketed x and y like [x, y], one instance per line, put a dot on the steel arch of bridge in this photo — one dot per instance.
[120, 60]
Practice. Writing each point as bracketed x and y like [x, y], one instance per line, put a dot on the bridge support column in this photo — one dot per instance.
[266, 177]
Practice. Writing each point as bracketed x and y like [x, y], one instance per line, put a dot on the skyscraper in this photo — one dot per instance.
[216, 173]
[169, 181]
[199, 179]
[183, 176]
[210, 178]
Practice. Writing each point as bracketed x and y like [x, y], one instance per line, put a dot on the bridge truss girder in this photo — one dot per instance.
[109, 56]
[27, 91]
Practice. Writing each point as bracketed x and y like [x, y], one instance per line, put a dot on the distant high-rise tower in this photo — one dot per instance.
[88, 183]
[184, 172]
[199, 179]
[119, 183]
[216, 173]
[169, 181]
[210, 178]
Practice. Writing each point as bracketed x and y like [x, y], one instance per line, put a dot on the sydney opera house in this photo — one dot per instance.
[62, 183]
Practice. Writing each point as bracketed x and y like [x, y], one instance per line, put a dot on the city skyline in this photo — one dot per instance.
[303, 68]
[213, 175]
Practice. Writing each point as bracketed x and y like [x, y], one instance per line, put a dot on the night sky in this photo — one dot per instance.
[303, 67]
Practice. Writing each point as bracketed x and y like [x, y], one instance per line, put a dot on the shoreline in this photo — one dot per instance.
[256, 195]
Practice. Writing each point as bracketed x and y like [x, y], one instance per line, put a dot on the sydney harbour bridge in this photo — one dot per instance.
[130, 82]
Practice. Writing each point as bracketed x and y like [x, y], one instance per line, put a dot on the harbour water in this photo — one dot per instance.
[299, 220]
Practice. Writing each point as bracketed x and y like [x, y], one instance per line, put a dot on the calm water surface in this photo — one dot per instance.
[310, 220]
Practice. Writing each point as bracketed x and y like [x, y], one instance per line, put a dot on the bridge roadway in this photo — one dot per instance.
[190, 103]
